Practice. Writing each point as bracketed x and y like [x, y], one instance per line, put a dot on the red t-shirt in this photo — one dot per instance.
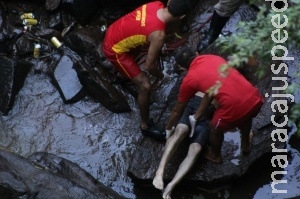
[236, 96]
[133, 29]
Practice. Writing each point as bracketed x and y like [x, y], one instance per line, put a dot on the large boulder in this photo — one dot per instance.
[45, 175]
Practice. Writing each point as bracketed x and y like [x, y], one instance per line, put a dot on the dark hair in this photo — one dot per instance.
[180, 7]
[184, 56]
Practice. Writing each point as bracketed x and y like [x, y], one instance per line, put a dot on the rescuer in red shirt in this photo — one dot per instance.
[145, 25]
[239, 101]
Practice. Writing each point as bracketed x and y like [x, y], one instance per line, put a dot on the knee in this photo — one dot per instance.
[145, 86]
[194, 150]
[181, 132]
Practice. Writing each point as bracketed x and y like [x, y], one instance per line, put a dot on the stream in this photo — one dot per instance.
[102, 142]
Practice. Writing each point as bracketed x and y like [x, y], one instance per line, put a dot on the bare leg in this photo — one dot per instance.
[185, 166]
[213, 152]
[246, 137]
[144, 89]
[172, 144]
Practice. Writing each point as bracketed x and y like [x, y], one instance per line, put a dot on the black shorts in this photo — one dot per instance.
[201, 133]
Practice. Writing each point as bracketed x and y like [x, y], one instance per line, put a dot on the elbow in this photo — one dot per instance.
[147, 68]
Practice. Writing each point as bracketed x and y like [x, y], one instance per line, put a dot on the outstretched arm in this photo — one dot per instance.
[205, 103]
[176, 114]
[156, 40]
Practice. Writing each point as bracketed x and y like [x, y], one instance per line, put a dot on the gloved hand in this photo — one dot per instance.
[170, 132]
[193, 124]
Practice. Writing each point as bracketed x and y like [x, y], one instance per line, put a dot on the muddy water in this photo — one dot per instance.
[102, 142]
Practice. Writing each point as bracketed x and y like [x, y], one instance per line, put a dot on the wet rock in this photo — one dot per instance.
[52, 5]
[53, 17]
[3, 44]
[56, 21]
[25, 46]
[47, 34]
[12, 77]
[86, 42]
[102, 90]
[97, 75]
[64, 78]
[82, 10]
[20, 178]
[12, 28]
[73, 172]
[94, 80]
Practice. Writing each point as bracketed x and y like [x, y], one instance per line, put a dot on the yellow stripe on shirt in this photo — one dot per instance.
[129, 43]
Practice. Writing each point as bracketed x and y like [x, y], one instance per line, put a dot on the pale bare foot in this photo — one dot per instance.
[209, 155]
[158, 182]
[167, 192]
[246, 143]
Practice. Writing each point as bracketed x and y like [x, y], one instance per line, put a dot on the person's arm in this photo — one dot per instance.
[176, 114]
[156, 40]
[205, 103]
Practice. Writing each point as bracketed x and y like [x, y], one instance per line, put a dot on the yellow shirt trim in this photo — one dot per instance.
[129, 43]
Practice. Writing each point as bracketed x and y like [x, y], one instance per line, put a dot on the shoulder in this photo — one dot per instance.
[157, 35]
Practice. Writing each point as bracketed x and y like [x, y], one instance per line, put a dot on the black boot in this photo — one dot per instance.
[154, 132]
[216, 25]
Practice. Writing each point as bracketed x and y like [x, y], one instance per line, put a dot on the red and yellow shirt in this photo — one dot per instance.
[133, 29]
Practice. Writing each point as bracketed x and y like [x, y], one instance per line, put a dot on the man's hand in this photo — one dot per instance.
[158, 82]
[193, 124]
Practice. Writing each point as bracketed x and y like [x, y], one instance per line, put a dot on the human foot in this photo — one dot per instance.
[158, 182]
[246, 143]
[209, 155]
[167, 192]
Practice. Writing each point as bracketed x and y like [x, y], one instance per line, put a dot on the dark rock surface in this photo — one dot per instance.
[12, 76]
[48, 176]
[64, 77]
[66, 20]
[102, 142]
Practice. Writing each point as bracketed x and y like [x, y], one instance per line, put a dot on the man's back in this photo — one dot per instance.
[233, 90]
[132, 30]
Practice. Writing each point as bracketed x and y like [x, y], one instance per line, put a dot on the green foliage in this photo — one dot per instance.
[254, 38]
